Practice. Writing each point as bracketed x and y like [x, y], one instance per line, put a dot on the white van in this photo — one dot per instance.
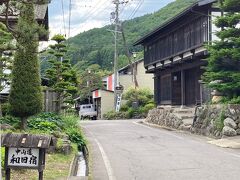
[88, 111]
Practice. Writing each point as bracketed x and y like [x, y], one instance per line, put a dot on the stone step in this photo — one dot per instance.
[187, 121]
[184, 116]
[187, 116]
[183, 111]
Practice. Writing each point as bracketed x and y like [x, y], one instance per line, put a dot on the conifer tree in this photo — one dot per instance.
[5, 45]
[91, 79]
[26, 93]
[5, 62]
[62, 76]
[223, 70]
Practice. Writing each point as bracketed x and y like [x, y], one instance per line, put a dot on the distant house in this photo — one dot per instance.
[104, 101]
[144, 80]
[175, 52]
[40, 11]
[104, 98]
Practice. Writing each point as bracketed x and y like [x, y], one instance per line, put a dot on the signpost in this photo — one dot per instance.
[25, 151]
[119, 91]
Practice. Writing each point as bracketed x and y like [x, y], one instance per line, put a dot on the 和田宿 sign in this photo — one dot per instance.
[23, 157]
[25, 151]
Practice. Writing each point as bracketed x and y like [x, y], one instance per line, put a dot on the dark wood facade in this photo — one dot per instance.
[175, 53]
[40, 12]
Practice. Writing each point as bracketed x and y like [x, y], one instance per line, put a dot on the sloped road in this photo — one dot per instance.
[126, 150]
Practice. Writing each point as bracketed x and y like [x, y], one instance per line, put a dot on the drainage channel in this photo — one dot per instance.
[80, 165]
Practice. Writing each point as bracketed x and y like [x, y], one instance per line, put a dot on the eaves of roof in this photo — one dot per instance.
[152, 33]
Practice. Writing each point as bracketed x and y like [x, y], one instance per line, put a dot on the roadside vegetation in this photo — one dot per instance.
[63, 128]
[137, 103]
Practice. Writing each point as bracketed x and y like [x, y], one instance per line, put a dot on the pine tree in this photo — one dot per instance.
[62, 76]
[223, 70]
[91, 79]
[26, 93]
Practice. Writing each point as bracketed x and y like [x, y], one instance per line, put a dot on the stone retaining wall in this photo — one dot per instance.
[164, 117]
[217, 120]
[210, 120]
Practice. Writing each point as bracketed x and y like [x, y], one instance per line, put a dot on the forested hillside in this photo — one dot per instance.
[96, 46]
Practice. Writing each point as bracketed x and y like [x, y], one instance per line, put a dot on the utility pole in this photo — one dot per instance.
[116, 83]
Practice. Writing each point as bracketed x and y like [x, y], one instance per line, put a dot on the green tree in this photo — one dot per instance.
[90, 79]
[223, 70]
[5, 60]
[62, 76]
[26, 93]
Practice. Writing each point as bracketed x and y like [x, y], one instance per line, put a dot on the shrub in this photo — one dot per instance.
[13, 121]
[42, 124]
[235, 100]
[219, 122]
[142, 96]
[75, 136]
[131, 112]
[70, 121]
[5, 109]
[124, 108]
[46, 122]
[116, 115]
[109, 115]
[51, 117]
[148, 107]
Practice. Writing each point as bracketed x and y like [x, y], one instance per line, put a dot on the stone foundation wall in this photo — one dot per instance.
[210, 120]
[164, 117]
[217, 120]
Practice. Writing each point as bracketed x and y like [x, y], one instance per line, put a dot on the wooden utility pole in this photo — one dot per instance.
[116, 83]
[133, 69]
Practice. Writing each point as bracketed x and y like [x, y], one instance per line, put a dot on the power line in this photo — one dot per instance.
[97, 10]
[63, 15]
[136, 9]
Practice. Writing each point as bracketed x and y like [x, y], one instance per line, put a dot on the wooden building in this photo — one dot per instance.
[175, 53]
[40, 12]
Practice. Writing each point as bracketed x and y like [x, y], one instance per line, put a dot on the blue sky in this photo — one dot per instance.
[88, 14]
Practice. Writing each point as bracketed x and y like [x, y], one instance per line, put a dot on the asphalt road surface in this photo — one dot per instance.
[127, 150]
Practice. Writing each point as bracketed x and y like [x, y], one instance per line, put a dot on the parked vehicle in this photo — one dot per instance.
[88, 111]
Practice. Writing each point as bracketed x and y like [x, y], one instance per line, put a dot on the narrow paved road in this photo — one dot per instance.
[126, 150]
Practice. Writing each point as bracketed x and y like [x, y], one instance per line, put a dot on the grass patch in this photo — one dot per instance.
[57, 164]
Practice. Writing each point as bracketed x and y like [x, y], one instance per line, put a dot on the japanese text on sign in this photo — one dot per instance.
[23, 157]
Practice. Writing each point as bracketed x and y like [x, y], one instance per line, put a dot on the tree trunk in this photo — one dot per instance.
[1, 110]
[133, 69]
[58, 103]
[23, 123]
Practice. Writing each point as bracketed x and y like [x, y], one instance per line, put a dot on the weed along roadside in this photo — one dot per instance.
[67, 151]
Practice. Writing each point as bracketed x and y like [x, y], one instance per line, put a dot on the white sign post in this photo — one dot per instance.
[118, 105]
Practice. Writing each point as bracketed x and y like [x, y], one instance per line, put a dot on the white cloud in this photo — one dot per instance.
[88, 14]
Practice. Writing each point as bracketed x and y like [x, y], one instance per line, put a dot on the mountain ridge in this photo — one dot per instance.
[96, 46]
